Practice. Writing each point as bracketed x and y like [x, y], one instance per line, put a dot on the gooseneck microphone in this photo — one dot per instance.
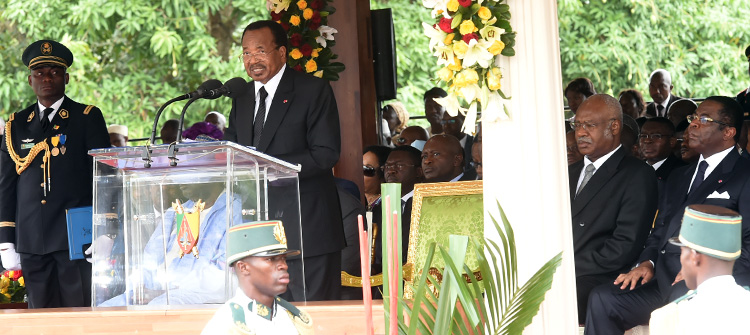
[208, 85]
[232, 88]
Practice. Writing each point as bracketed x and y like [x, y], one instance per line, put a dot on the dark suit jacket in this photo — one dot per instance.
[612, 215]
[732, 175]
[744, 99]
[651, 107]
[302, 127]
[467, 156]
[34, 227]
[665, 170]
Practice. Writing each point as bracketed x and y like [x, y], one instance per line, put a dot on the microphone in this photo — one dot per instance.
[206, 86]
[232, 88]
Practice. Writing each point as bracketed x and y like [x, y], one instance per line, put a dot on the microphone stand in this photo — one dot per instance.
[172, 152]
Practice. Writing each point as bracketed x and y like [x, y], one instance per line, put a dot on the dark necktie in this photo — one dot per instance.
[699, 176]
[660, 110]
[590, 169]
[260, 116]
[45, 117]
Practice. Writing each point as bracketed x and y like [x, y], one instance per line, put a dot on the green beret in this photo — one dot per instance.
[711, 230]
[47, 53]
[260, 238]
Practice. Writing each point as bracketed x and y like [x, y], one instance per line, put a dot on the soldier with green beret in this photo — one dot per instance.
[710, 241]
[45, 170]
[257, 252]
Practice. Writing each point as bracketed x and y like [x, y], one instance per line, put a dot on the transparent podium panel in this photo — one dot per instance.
[161, 217]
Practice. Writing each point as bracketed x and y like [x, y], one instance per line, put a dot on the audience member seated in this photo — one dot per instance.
[577, 91]
[613, 198]
[476, 158]
[629, 136]
[373, 158]
[433, 110]
[453, 125]
[710, 242]
[203, 131]
[397, 117]
[573, 154]
[443, 160]
[657, 141]
[169, 131]
[191, 278]
[411, 134]
[118, 135]
[720, 178]
[687, 154]
[680, 110]
[660, 88]
[217, 119]
[632, 103]
[744, 96]
[351, 207]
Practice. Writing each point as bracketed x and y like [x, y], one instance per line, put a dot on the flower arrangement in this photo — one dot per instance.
[466, 37]
[310, 39]
[12, 287]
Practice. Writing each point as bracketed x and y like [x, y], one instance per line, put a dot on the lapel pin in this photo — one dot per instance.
[720, 181]
[285, 100]
[56, 127]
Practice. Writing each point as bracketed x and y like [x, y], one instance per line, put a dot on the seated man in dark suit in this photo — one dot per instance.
[443, 160]
[720, 177]
[453, 125]
[660, 88]
[656, 141]
[613, 198]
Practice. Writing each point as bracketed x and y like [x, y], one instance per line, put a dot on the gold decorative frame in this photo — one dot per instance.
[422, 191]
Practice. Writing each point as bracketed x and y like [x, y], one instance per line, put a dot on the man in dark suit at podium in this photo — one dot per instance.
[293, 117]
[720, 177]
[45, 170]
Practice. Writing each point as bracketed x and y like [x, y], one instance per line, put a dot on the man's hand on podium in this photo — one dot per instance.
[10, 258]
[103, 245]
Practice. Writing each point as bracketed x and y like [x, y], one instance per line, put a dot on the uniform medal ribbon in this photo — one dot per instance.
[63, 138]
[55, 140]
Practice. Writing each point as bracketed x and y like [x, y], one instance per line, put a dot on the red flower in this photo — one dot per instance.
[285, 26]
[314, 21]
[276, 17]
[468, 37]
[445, 25]
[17, 274]
[295, 40]
[306, 50]
[465, 3]
[298, 68]
[316, 5]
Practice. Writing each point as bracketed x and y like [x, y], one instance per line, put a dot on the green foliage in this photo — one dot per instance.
[617, 44]
[130, 57]
[416, 66]
[505, 307]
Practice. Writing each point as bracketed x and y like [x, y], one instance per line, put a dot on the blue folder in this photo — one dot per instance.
[80, 223]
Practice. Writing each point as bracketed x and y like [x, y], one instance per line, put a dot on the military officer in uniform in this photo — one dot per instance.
[744, 96]
[710, 240]
[257, 251]
[45, 170]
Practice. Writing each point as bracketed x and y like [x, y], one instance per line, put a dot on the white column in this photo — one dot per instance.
[525, 165]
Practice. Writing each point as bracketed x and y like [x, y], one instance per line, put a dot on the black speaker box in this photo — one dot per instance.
[384, 54]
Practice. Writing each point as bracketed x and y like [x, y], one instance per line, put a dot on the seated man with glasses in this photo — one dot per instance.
[657, 141]
[613, 198]
[719, 177]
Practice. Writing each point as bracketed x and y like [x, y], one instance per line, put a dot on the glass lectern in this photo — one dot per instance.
[160, 217]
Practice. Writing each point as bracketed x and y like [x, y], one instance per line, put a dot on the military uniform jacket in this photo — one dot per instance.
[744, 99]
[244, 316]
[718, 306]
[35, 222]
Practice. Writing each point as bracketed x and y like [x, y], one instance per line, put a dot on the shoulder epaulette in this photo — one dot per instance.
[12, 117]
[300, 318]
[238, 318]
[88, 109]
[687, 296]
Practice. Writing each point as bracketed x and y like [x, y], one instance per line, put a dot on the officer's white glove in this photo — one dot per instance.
[10, 258]
[103, 246]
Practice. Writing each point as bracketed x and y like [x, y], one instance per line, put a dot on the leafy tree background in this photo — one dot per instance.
[130, 56]
[617, 44]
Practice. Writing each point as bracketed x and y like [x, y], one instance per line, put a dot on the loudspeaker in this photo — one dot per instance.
[384, 54]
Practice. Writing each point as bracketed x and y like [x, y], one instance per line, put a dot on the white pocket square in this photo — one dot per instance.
[716, 195]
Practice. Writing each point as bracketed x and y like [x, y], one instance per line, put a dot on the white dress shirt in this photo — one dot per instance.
[271, 87]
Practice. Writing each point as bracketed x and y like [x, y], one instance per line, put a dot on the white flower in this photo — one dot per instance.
[452, 107]
[435, 34]
[471, 119]
[278, 5]
[444, 55]
[326, 33]
[470, 92]
[478, 54]
[438, 7]
[494, 110]
[490, 32]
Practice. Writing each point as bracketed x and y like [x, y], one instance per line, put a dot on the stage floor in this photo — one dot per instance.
[329, 317]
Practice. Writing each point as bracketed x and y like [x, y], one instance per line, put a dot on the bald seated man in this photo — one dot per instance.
[409, 135]
[443, 160]
[613, 198]
[660, 88]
